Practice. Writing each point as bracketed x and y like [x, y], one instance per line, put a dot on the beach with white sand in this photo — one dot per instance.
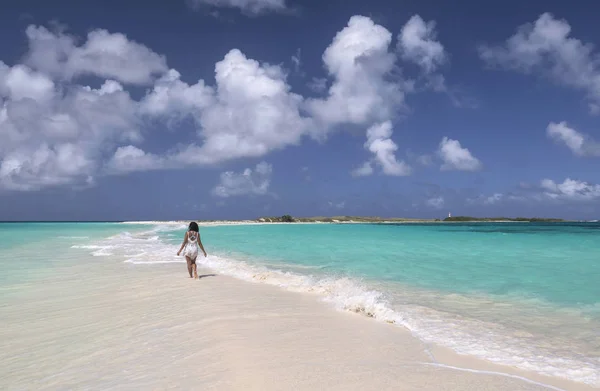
[125, 328]
[107, 316]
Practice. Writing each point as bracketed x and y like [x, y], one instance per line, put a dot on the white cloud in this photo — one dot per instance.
[455, 157]
[175, 99]
[318, 85]
[55, 131]
[251, 181]
[337, 205]
[130, 158]
[570, 190]
[53, 137]
[249, 113]
[20, 82]
[379, 142]
[579, 143]
[360, 62]
[250, 7]
[297, 60]
[417, 43]
[252, 110]
[425, 160]
[435, 202]
[497, 198]
[365, 169]
[44, 165]
[103, 54]
[493, 199]
[255, 111]
[546, 47]
[363, 92]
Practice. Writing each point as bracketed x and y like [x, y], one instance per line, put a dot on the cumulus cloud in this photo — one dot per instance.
[363, 92]
[130, 158]
[172, 98]
[103, 54]
[318, 84]
[455, 157]
[570, 190]
[417, 43]
[365, 169]
[250, 7]
[53, 137]
[20, 82]
[251, 181]
[579, 143]
[360, 61]
[250, 112]
[253, 111]
[55, 134]
[379, 143]
[435, 202]
[55, 131]
[546, 47]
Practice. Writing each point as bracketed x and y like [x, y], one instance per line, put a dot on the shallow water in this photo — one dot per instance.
[519, 294]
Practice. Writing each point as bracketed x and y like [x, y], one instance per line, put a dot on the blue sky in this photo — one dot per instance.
[242, 108]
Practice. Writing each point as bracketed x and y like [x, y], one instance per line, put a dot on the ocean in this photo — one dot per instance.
[519, 294]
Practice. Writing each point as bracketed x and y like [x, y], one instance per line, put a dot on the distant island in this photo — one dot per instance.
[509, 219]
[338, 219]
[361, 219]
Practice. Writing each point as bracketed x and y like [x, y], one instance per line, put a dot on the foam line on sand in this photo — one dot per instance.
[120, 326]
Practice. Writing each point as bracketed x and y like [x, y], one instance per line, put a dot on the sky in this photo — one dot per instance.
[236, 109]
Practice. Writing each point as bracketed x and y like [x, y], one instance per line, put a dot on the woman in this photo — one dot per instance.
[191, 241]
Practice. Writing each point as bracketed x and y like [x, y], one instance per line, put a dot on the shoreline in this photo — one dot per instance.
[254, 222]
[244, 336]
[272, 278]
[444, 356]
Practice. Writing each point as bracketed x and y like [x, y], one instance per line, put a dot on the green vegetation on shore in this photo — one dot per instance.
[490, 219]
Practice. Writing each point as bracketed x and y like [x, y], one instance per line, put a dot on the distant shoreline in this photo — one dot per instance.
[325, 220]
[300, 221]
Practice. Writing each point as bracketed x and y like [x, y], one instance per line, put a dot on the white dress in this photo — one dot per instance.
[191, 247]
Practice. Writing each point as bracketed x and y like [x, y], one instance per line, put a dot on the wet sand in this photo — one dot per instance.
[119, 326]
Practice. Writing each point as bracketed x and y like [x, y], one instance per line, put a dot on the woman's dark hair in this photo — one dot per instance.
[193, 227]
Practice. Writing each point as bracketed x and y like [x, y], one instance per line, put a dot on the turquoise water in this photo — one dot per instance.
[519, 294]
[559, 263]
[28, 250]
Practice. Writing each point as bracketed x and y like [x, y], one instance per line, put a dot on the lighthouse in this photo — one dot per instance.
[449, 214]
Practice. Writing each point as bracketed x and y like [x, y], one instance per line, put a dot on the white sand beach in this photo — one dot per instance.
[121, 326]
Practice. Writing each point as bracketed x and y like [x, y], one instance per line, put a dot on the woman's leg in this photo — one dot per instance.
[194, 268]
[189, 265]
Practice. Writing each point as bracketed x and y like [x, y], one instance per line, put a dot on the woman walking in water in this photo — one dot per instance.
[190, 244]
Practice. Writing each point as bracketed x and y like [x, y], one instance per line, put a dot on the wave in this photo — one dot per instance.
[101, 251]
[490, 341]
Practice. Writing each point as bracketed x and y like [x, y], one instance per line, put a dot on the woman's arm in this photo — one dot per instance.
[200, 244]
[183, 244]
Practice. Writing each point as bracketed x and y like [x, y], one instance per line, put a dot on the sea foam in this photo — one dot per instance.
[485, 340]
